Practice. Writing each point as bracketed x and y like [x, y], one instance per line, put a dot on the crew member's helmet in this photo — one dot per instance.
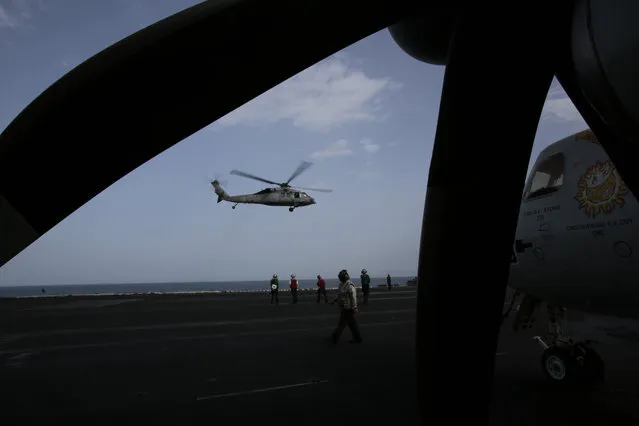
[363, 271]
[292, 275]
[319, 277]
[274, 275]
[343, 275]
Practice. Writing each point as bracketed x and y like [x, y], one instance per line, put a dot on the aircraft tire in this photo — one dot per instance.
[559, 366]
[593, 369]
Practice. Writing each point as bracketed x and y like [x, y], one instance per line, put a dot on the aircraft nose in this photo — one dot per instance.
[312, 200]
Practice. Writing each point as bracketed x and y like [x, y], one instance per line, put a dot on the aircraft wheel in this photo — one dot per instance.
[558, 365]
[290, 209]
[592, 366]
[233, 207]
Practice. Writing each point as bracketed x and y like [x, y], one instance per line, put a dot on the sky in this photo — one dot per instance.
[365, 117]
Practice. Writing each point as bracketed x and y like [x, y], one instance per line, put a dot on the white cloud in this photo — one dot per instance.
[18, 13]
[23, 8]
[369, 146]
[6, 20]
[320, 98]
[558, 106]
[336, 149]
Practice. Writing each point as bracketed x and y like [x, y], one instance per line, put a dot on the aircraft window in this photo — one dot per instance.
[547, 177]
[297, 195]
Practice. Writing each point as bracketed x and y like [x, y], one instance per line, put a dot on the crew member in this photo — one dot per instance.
[366, 285]
[321, 289]
[388, 282]
[275, 287]
[347, 299]
[293, 285]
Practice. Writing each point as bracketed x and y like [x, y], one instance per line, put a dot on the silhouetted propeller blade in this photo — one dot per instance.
[301, 168]
[157, 87]
[315, 189]
[246, 175]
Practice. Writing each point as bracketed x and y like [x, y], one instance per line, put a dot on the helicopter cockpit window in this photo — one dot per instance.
[547, 177]
[297, 195]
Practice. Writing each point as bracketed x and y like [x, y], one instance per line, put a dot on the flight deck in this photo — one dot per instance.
[168, 359]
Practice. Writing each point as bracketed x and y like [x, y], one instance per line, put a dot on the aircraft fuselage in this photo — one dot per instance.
[577, 231]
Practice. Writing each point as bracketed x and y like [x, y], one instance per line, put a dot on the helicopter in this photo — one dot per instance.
[282, 195]
[574, 248]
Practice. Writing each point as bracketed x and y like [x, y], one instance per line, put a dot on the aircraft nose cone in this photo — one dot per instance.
[312, 200]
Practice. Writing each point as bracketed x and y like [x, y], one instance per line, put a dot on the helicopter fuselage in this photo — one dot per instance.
[275, 197]
[280, 197]
[283, 195]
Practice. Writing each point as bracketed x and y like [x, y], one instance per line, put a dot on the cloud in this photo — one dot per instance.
[336, 149]
[320, 98]
[22, 7]
[19, 12]
[6, 20]
[558, 106]
[369, 146]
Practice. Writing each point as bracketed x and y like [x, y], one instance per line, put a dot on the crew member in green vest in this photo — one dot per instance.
[275, 287]
[366, 285]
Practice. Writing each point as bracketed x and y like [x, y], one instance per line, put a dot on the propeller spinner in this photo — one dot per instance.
[300, 169]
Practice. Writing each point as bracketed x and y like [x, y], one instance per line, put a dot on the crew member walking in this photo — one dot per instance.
[321, 289]
[366, 285]
[275, 287]
[347, 299]
[293, 285]
[388, 282]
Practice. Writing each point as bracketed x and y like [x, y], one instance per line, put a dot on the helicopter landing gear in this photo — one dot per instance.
[290, 209]
[564, 359]
[234, 205]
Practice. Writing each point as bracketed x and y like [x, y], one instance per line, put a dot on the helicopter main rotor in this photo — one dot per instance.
[300, 169]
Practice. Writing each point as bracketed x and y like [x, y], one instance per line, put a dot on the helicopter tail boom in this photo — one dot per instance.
[221, 194]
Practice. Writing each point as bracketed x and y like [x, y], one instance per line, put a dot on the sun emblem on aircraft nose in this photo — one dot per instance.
[601, 189]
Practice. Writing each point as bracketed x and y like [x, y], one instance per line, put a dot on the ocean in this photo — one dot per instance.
[174, 287]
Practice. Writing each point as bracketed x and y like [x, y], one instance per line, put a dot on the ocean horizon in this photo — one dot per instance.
[174, 287]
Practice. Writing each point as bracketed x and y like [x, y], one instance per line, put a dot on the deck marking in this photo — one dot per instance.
[249, 392]
[186, 338]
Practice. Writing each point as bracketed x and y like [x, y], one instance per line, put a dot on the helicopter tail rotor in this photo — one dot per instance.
[217, 177]
[217, 183]
[219, 191]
